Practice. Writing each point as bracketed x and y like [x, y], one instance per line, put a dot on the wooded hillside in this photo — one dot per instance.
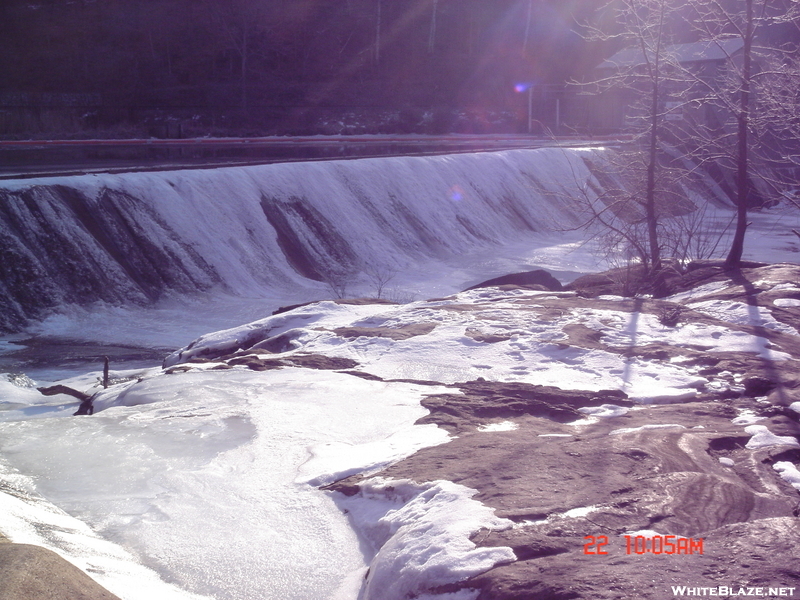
[260, 61]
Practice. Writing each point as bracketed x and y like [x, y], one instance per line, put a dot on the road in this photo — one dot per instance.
[42, 158]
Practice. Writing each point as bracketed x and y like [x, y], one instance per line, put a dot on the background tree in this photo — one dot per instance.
[292, 65]
[742, 125]
[780, 99]
[641, 74]
[378, 31]
[244, 27]
[432, 32]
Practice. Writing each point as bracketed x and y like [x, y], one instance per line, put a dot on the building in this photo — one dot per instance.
[605, 107]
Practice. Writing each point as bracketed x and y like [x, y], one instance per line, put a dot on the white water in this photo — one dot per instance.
[256, 231]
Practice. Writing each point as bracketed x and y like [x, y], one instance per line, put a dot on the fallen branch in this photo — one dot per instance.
[53, 390]
[85, 408]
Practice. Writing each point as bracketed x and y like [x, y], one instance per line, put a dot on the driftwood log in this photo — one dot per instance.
[85, 408]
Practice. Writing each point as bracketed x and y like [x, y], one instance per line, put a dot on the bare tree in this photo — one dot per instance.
[242, 24]
[743, 126]
[379, 276]
[615, 214]
[644, 70]
[338, 282]
[735, 114]
[780, 102]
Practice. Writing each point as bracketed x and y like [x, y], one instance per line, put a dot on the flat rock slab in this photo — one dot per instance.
[682, 470]
[740, 557]
[35, 573]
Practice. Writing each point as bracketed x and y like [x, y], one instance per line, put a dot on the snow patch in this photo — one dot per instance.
[786, 302]
[665, 396]
[742, 314]
[230, 450]
[645, 427]
[420, 535]
[763, 438]
[573, 513]
[747, 417]
[788, 473]
[785, 287]
[700, 291]
[605, 410]
[336, 460]
[501, 426]
[576, 513]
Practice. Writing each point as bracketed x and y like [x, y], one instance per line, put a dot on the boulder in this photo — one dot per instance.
[526, 278]
[35, 573]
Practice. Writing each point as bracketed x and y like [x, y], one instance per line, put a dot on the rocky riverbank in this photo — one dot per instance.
[629, 448]
[616, 499]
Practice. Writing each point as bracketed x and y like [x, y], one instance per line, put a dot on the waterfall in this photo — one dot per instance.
[137, 237]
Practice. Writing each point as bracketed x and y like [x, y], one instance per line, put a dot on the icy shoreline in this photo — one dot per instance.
[201, 445]
[202, 437]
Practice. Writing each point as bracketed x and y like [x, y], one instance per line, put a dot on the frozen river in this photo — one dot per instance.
[203, 481]
[204, 484]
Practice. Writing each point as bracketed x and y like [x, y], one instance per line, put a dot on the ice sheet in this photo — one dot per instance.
[28, 518]
[196, 473]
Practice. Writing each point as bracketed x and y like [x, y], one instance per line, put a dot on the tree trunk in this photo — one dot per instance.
[244, 70]
[378, 35]
[527, 27]
[650, 202]
[652, 161]
[734, 258]
[432, 35]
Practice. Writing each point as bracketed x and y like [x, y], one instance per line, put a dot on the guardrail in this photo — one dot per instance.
[39, 158]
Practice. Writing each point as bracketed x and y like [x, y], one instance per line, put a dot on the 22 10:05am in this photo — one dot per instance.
[640, 544]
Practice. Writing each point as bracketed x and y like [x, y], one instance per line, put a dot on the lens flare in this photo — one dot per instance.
[456, 193]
